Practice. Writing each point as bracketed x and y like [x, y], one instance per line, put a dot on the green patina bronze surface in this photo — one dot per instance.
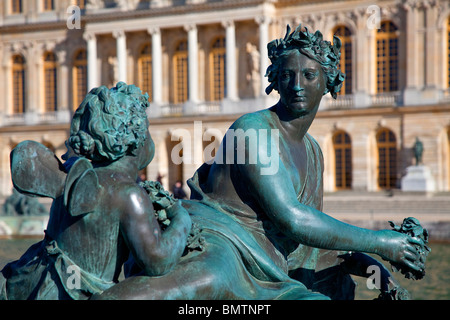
[100, 215]
[255, 229]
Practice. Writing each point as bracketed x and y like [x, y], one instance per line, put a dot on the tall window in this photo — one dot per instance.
[18, 85]
[180, 62]
[448, 52]
[217, 67]
[145, 70]
[343, 160]
[48, 5]
[79, 78]
[387, 159]
[387, 57]
[16, 6]
[50, 81]
[345, 64]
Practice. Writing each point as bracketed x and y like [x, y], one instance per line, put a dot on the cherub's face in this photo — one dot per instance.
[146, 152]
[301, 84]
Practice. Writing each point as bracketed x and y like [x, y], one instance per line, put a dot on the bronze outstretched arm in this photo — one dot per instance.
[155, 251]
[275, 193]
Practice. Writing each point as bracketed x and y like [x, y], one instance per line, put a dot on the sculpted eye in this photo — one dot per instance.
[310, 75]
[285, 75]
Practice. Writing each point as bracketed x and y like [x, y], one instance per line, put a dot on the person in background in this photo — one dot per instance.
[178, 191]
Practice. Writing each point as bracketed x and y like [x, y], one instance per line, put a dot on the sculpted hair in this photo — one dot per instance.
[314, 47]
[110, 123]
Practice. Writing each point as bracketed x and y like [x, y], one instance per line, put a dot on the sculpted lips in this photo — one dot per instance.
[301, 112]
[299, 99]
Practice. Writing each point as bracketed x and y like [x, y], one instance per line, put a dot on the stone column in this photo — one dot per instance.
[411, 94]
[6, 77]
[231, 66]
[32, 83]
[192, 63]
[263, 23]
[92, 80]
[363, 58]
[156, 65]
[63, 114]
[432, 69]
[121, 45]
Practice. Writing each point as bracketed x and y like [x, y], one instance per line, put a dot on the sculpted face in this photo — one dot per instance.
[301, 84]
[146, 152]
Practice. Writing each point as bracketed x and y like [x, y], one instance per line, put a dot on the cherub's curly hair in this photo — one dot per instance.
[110, 123]
[314, 47]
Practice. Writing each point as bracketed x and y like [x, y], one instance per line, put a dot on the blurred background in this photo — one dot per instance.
[203, 62]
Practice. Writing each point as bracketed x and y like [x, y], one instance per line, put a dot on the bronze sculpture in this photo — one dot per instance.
[99, 213]
[257, 228]
[418, 151]
[264, 226]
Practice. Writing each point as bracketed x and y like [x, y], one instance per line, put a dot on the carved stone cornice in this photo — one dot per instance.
[154, 30]
[190, 27]
[89, 36]
[118, 34]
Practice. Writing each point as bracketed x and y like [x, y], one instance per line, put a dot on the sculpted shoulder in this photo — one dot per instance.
[255, 120]
[129, 197]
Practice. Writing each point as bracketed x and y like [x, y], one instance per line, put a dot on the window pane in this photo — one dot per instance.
[387, 159]
[16, 6]
[18, 85]
[218, 68]
[145, 71]
[387, 58]
[343, 160]
[345, 64]
[79, 78]
[181, 73]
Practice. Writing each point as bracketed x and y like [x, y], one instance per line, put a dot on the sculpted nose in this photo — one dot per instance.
[298, 87]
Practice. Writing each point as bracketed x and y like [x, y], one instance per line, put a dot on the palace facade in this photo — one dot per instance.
[203, 62]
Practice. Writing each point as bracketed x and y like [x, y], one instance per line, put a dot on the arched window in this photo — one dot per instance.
[387, 159]
[345, 64]
[217, 67]
[79, 78]
[18, 85]
[387, 57]
[342, 146]
[180, 63]
[50, 81]
[145, 70]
